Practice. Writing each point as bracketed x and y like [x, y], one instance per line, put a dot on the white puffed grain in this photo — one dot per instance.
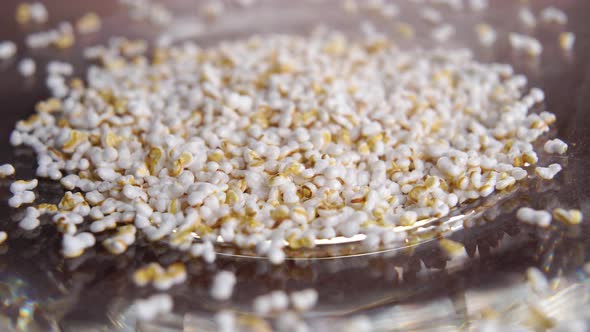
[534, 217]
[7, 49]
[226, 321]
[569, 217]
[527, 17]
[526, 44]
[478, 5]
[304, 300]
[223, 285]
[486, 34]
[555, 146]
[442, 33]
[537, 280]
[27, 67]
[6, 170]
[567, 40]
[148, 309]
[431, 15]
[553, 15]
[548, 173]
